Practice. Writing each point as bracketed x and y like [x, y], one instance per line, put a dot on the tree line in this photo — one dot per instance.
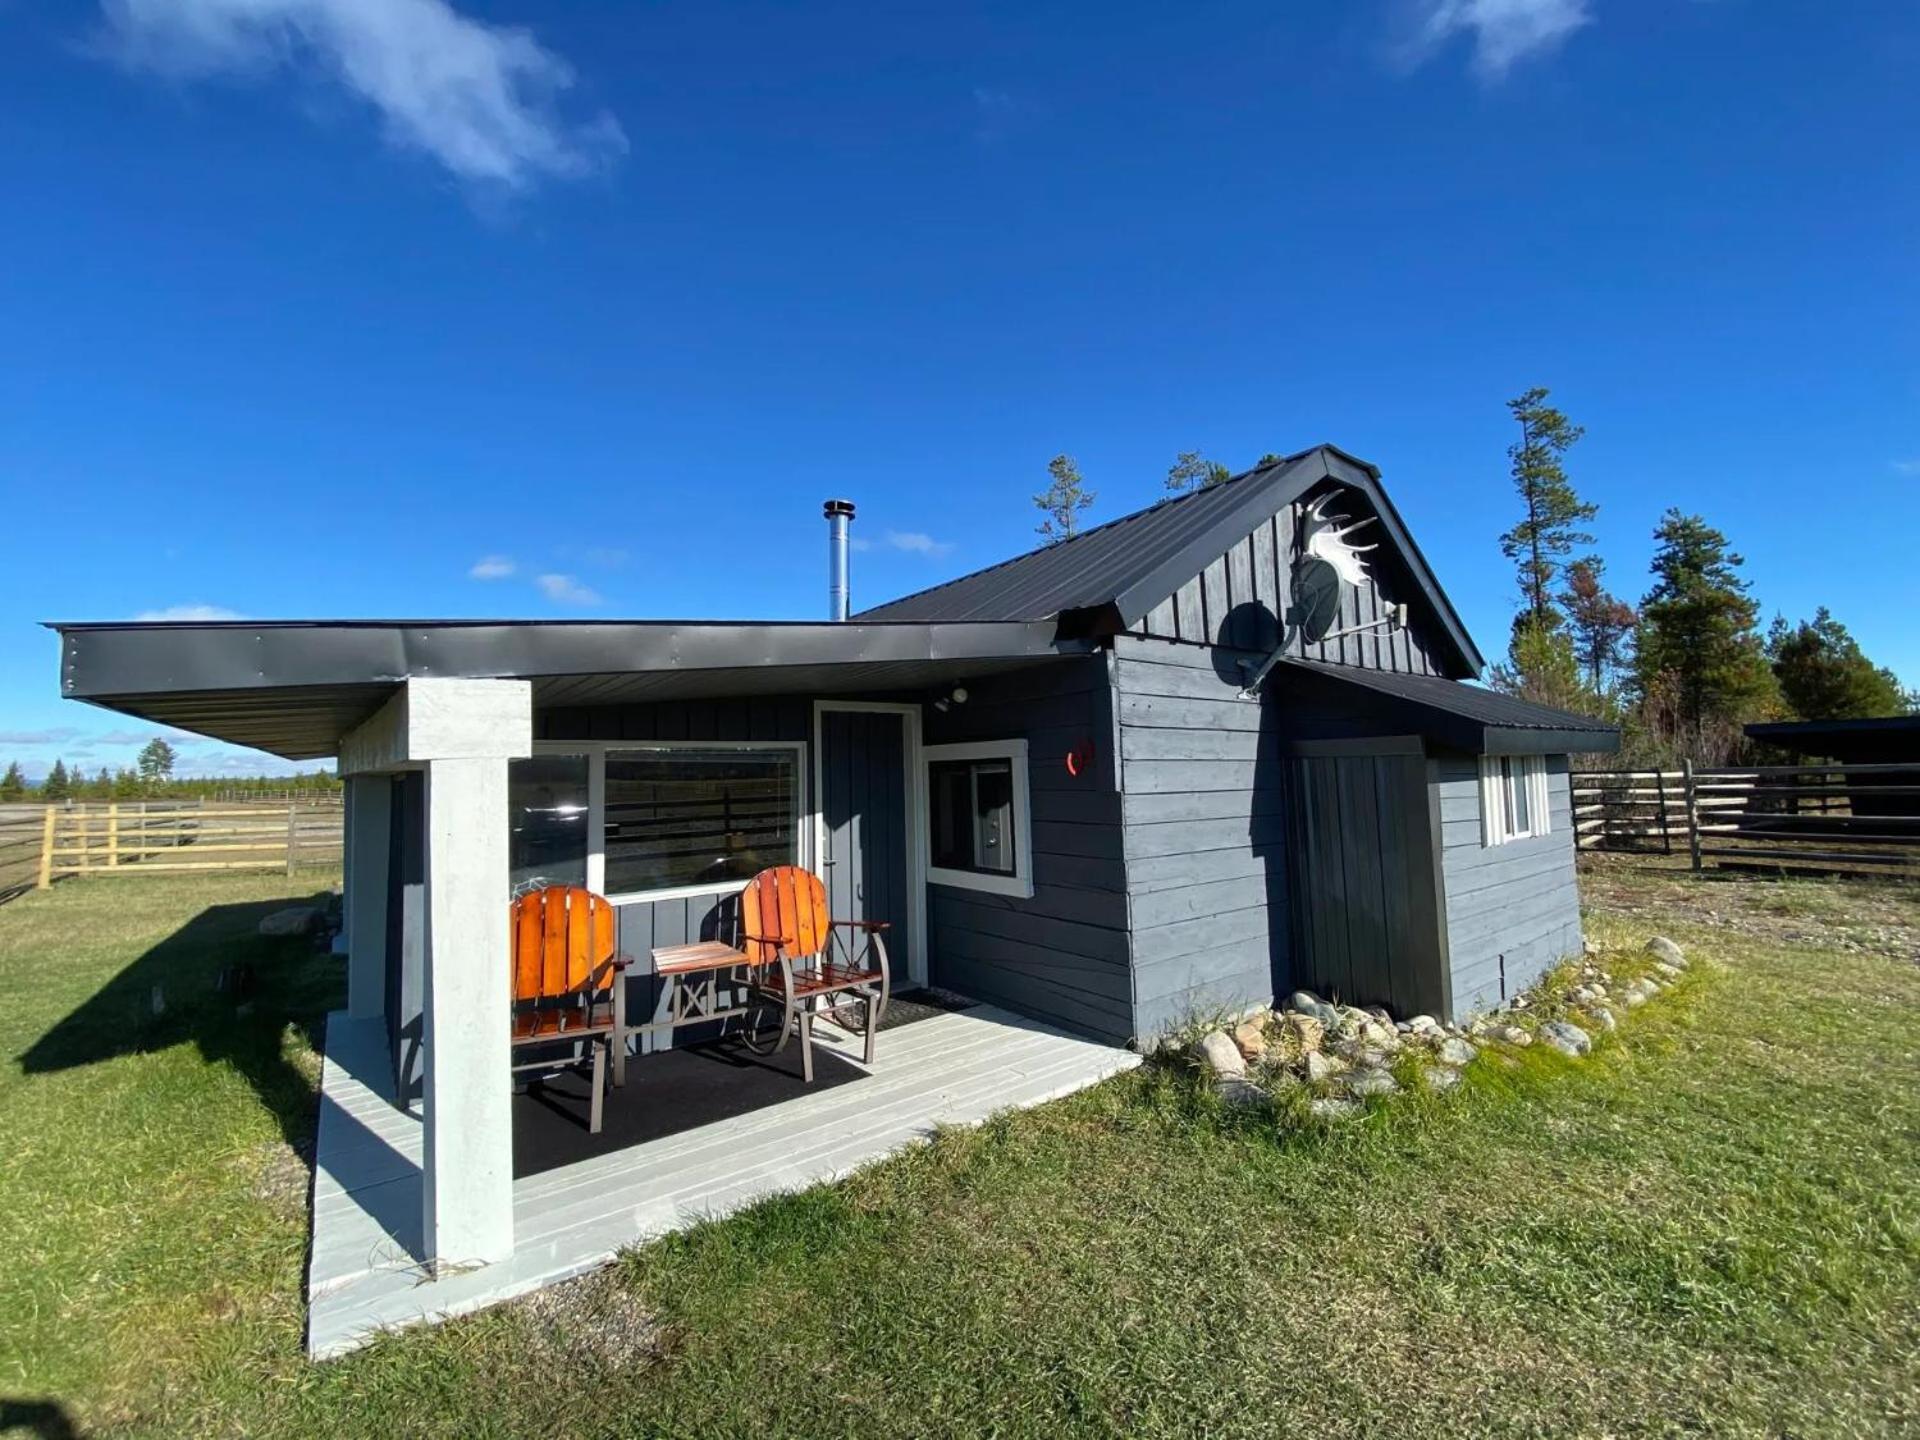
[151, 777]
[1682, 670]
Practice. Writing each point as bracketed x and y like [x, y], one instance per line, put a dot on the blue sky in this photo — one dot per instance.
[334, 308]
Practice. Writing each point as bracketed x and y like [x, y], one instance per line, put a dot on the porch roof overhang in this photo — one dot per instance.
[294, 688]
[1446, 712]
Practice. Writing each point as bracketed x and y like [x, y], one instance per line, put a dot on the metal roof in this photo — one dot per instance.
[1128, 566]
[295, 687]
[1466, 717]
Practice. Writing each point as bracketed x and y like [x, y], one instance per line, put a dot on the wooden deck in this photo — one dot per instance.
[364, 1274]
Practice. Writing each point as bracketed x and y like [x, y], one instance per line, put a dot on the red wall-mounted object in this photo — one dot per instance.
[1080, 757]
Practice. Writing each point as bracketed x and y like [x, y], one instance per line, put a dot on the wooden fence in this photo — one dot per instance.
[1863, 819]
[43, 843]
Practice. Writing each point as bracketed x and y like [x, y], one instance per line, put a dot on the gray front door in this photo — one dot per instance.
[863, 809]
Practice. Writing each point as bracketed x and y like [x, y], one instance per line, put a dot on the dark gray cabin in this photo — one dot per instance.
[1049, 776]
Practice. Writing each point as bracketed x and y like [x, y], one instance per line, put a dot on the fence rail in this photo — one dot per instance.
[43, 843]
[1858, 818]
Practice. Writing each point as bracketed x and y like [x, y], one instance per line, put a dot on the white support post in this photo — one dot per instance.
[468, 1154]
[369, 828]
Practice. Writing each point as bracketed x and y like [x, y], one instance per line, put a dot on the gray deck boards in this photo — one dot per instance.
[365, 1277]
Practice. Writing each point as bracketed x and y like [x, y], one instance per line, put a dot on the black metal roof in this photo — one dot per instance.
[295, 687]
[1128, 566]
[1465, 717]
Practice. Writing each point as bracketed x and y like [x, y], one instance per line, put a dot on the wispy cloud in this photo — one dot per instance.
[1504, 32]
[491, 567]
[189, 612]
[917, 542]
[58, 736]
[481, 99]
[997, 113]
[1907, 467]
[566, 590]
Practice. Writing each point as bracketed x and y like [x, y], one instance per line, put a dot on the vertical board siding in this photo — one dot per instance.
[1203, 831]
[1240, 601]
[1512, 910]
[1060, 955]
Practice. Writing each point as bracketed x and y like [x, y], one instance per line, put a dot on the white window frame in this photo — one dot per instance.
[1498, 775]
[1018, 884]
[596, 752]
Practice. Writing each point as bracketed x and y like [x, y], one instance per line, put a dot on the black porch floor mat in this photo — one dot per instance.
[672, 1091]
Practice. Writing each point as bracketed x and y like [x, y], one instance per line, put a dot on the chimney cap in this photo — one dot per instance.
[839, 507]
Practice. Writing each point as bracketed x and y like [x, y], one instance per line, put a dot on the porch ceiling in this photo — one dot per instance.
[294, 688]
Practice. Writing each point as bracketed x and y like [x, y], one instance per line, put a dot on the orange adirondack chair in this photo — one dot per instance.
[789, 941]
[569, 987]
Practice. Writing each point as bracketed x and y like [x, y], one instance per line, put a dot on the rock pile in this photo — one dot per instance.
[1343, 1053]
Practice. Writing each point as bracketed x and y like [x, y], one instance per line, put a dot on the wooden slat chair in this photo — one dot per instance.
[789, 941]
[569, 987]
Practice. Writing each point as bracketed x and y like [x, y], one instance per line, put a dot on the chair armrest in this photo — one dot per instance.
[872, 926]
[622, 961]
[779, 944]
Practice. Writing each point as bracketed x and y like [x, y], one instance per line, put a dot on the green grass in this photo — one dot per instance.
[1711, 1226]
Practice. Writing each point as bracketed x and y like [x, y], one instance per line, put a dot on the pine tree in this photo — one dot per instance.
[13, 785]
[1697, 644]
[1193, 471]
[1062, 501]
[56, 786]
[1541, 667]
[1824, 676]
[1600, 623]
[156, 761]
[1545, 536]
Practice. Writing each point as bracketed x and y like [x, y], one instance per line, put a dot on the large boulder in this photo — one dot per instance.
[1668, 953]
[1221, 1055]
[1250, 1038]
[1455, 1051]
[294, 920]
[1566, 1038]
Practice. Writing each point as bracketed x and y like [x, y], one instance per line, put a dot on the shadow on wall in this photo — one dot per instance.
[1247, 635]
[217, 983]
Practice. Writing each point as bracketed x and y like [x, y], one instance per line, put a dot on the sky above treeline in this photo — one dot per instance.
[316, 308]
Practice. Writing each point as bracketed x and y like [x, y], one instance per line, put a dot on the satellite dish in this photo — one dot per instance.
[1316, 598]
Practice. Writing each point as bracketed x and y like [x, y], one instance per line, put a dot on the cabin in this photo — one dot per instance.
[1173, 767]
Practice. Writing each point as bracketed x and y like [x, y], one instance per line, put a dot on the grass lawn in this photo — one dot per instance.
[1711, 1225]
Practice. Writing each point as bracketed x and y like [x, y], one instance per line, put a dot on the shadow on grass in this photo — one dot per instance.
[219, 984]
[46, 1419]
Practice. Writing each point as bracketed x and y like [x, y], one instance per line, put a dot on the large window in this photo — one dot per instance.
[682, 817]
[634, 821]
[978, 835]
[1513, 798]
[547, 821]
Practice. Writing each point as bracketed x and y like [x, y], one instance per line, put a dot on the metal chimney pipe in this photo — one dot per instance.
[838, 513]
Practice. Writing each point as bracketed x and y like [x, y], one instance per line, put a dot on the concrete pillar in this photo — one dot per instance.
[468, 1154]
[369, 830]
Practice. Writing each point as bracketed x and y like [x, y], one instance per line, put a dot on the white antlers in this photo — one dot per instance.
[1328, 543]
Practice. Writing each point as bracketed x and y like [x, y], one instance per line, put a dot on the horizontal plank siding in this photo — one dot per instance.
[1202, 814]
[1059, 955]
[1513, 910]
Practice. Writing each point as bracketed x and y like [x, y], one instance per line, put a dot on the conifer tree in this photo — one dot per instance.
[1598, 622]
[13, 785]
[1697, 640]
[56, 786]
[1824, 676]
[1545, 534]
[1193, 471]
[1062, 501]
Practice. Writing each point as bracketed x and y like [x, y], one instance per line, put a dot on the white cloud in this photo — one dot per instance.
[38, 737]
[189, 612]
[481, 99]
[917, 542]
[566, 590]
[1504, 32]
[491, 567]
[1907, 467]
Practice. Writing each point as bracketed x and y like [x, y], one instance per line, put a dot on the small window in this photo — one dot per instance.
[1513, 798]
[978, 833]
[547, 822]
[697, 818]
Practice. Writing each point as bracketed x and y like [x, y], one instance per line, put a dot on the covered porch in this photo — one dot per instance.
[371, 1269]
